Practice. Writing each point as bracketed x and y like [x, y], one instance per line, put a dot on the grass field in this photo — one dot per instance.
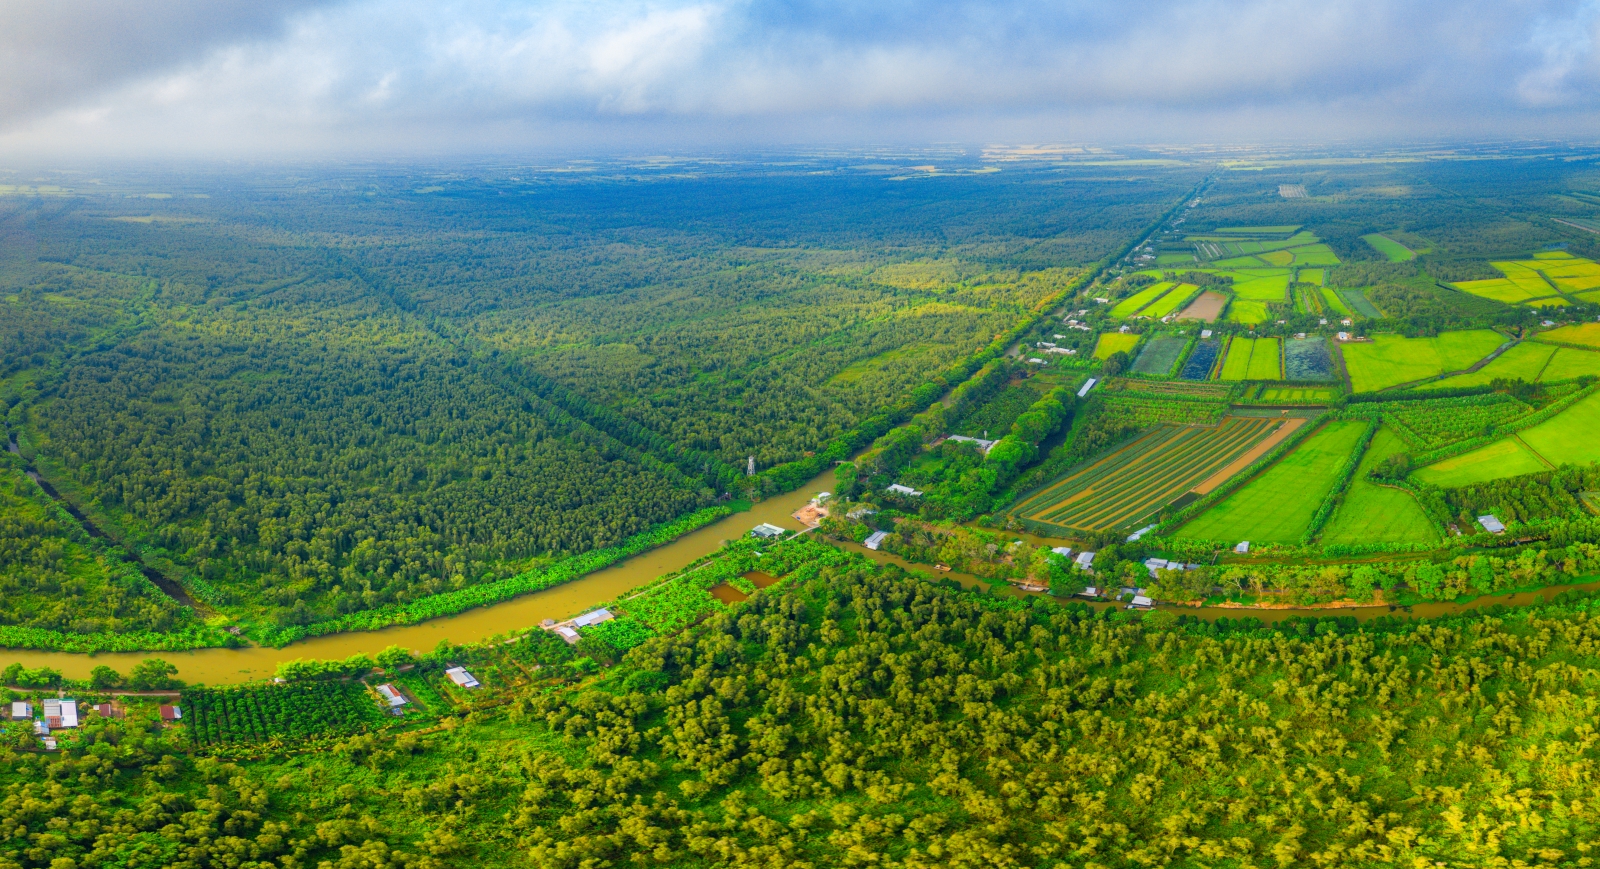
[1278, 505]
[1114, 342]
[1393, 250]
[1136, 302]
[1569, 364]
[1172, 301]
[1247, 312]
[1160, 354]
[1571, 437]
[1358, 302]
[1336, 302]
[1310, 276]
[1507, 458]
[1379, 514]
[1537, 281]
[1582, 335]
[1236, 365]
[1266, 360]
[1261, 285]
[1526, 361]
[1297, 393]
[1144, 476]
[1390, 360]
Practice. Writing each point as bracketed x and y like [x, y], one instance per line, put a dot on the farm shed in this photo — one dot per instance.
[1492, 524]
[904, 490]
[390, 694]
[461, 677]
[1087, 385]
[984, 446]
[594, 617]
[171, 713]
[49, 743]
[1085, 561]
[766, 531]
[21, 710]
[69, 713]
[875, 540]
[1063, 551]
[567, 633]
[1243, 547]
[1134, 537]
[1140, 602]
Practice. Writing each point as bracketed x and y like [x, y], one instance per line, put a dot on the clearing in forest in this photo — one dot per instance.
[1278, 505]
[1393, 250]
[1390, 360]
[1374, 513]
[1137, 480]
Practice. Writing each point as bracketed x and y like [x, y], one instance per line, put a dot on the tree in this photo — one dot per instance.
[103, 678]
[153, 674]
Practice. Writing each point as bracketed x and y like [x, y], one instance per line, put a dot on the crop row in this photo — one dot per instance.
[1143, 477]
[1201, 361]
[296, 710]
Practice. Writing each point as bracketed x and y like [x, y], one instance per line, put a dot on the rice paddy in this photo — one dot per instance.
[1247, 312]
[1252, 359]
[1525, 361]
[1538, 281]
[1567, 438]
[1174, 299]
[1505, 458]
[1145, 475]
[1581, 335]
[1358, 303]
[1393, 250]
[1278, 505]
[1293, 393]
[1390, 360]
[1373, 513]
[1114, 342]
[1137, 302]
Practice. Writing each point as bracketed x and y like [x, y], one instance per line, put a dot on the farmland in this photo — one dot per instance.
[1393, 250]
[1198, 365]
[1144, 475]
[1136, 302]
[1178, 297]
[1390, 360]
[1160, 354]
[1307, 359]
[1537, 281]
[1429, 425]
[1525, 361]
[1206, 307]
[298, 711]
[1252, 359]
[1503, 458]
[1578, 334]
[1373, 513]
[1277, 506]
[1292, 393]
[1567, 438]
[1111, 343]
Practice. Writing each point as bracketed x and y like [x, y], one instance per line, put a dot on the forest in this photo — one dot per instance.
[856, 715]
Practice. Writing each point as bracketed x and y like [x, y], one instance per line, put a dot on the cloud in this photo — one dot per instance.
[407, 75]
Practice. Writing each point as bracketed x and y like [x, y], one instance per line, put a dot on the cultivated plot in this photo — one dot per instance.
[1278, 505]
[1538, 281]
[1374, 513]
[1147, 474]
[1307, 359]
[1115, 342]
[1393, 250]
[1390, 360]
[1160, 355]
[1136, 302]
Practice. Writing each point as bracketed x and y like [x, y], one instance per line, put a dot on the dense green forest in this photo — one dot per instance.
[858, 716]
[303, 400]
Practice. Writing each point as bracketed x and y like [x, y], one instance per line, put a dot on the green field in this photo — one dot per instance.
[1336, 302]
[1160, 354]
[1372, 513]
[1297, 393]
[1310, 276]
[1581, 334]
[1394, 250]
[1247, 312]
[1170, 302]
[1390, 360]
[1261, 285]
[1277, 506]
[1358, 303]
[1266, 360]
[1115, 342]
[1571, 437]
[1236, 365]
[1569, 364]
[1537, 281]
[1506, 458]
[1134, 303]
[1525, 361]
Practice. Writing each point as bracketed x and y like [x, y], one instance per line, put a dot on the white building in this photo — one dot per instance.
[392, 696]
[593, 617]
[1492, 524]
[1063, 551]
[904, 490]
[461, 677]
[875, 540]
[1085, 561]
[1087, 385]
[766, 531]
[1243, 547]
[984, 446]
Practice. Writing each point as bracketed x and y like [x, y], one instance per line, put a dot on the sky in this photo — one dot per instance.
[392, 78]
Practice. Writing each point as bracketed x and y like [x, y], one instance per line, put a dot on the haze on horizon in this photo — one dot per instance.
[309, 78]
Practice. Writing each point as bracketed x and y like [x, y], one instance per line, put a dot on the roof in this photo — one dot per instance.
[875, 539]
[766, 529]
[1140, 600]
[567, 633]
[593, 617]
[984, 446]
[460, 676]
[1087, 385]
[1063, 551]
[1140, 533]
[1492, 524]
[171, 713]
[69, 713]
[21, 709]
[389, 693]
[1244, 546]
[1085, 559]
[903, 490]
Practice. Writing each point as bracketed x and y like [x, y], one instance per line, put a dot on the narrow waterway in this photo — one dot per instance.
[229, 666]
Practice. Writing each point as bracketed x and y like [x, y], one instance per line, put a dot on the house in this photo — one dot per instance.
[1087, 385]
[1034, 360]
[107, 710]
[390, 694]
[1155, 564]
[1205, 333]
[1492, 524]
[49, 743]
[984, 446]
[1243, 547]
[1063, 551]
[1085, 561]
[1343, 336]
[567, 633]
[1090, 592]
[875, 540]
[170, 714]
[461, 677]
[69, 713]
[21, 710]
[1134, 537]
[52, 713]
[821, 497]
[904, 490]
[593, 617]
[1140, 602]
[766, 531]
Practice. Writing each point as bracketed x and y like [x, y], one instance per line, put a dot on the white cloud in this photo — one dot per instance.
[399, 75]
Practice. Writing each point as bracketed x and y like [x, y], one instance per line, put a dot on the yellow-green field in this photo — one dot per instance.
[1525, 361]
[1287, 393]
[1247, 312]
[1134, 303]
[1393, 250]
[1372, 513]
[1278, 505]
[1582, 334]
[1113, 342]
[1537, 281]
[1507, 458]
[1390, 360]
[1253, 359]
[1170, 302]
[1567, 438]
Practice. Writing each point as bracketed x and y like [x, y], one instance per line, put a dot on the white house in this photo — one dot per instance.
[1492, 524]
[461, 677]
[766, 531]
[875, 540]
[904, 490]
[392, 696]
[1085, 561]
[593, 617]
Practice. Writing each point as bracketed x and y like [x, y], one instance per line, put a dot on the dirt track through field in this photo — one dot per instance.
[1289, 427]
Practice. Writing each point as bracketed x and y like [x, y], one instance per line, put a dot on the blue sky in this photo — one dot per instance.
[409, 77]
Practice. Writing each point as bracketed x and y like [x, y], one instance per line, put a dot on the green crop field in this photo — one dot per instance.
[1278, 505]
[1537, 281]
[1134, 303]
[1296, 393]
[1506, 458]
[1236, 365]
[1311, 276]
[1569, 364]
[1358, 303]
[1393, 250]
[1160, 354]
[1525, 361]
[1133, 482]
[1115, 342]
[1170, 302]
[1247, 312]
[1336, 302]
[1266, 360]
[1581, 334]
[1372, 513]
[1314, 255]
[1571, 437]
[1261, 285]
[1390, 360]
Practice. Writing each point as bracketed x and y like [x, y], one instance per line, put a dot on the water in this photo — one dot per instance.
[231, 666]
